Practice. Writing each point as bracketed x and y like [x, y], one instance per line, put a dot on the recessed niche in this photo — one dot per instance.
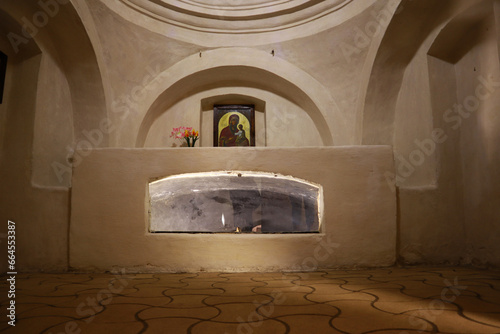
[234, 202]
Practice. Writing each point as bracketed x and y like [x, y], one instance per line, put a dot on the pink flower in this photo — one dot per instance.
[186, 133]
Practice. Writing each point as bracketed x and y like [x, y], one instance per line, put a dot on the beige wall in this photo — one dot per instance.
[480, 142]
[52, 142]
[449, 189]
[280, 123]
[41, 215]
[102, 74]
[109, 224]
[169, 76]
[44, 91]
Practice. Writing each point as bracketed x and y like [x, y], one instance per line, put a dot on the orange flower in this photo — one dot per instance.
[186, 133]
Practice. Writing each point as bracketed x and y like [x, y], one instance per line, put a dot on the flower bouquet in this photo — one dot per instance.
[188, 134]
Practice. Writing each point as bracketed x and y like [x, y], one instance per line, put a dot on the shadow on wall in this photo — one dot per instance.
[243, 70]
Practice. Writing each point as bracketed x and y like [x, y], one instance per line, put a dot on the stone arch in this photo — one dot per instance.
[64, 38]
[449, 44]
[249, 25]
[56, 32]
[405, 35]
[242, 67]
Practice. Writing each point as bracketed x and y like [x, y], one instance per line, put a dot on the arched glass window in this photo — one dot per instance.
[247, 202]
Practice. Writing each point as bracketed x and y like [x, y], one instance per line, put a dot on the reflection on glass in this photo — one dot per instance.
[246, 202]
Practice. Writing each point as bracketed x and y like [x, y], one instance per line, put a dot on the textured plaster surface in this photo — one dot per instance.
[109, 219]
[332, 81]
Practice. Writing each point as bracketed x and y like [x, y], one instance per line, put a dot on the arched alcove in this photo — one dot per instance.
[53, 94]
[423, 72]
[403, 38]
[249, 69]
[407, 32]
[70, 94]
[464, 61]
[207, 104]
[200, 116]
[64, 39]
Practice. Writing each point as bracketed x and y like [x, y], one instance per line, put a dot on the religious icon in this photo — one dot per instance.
[234, 125]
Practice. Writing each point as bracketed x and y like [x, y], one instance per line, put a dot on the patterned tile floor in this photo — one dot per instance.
[393, 300]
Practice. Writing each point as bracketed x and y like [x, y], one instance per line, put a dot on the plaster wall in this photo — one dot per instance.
[479, 142]
[52, 143]
[130, 65]
[430, 194]
[448, 204]
[135, 78]
[335, 83]
[41, 215]
[282, 123]
[414, 120]
[109, 219]
[87, 50]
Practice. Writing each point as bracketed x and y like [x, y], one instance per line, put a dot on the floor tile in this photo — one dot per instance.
[450, 322]
[97, 328]
[492, 319]
[237, 312]
[386, 300]
[258, 327]
[300, 324]
[237, 290]
[116, 313]
[414, 305]
[204, 313]
[472, 304]
[169, 325]
[223, 299]
[315, 309]
[37, 324]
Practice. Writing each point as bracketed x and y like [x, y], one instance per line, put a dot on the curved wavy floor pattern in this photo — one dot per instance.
[392, 300]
